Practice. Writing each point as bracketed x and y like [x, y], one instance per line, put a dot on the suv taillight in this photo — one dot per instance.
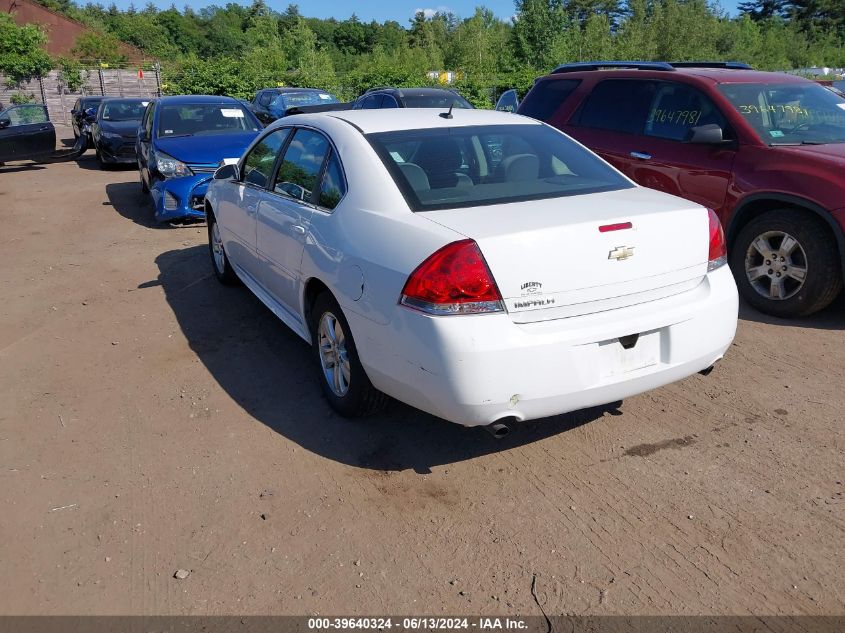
[454, 280]
[718, 251]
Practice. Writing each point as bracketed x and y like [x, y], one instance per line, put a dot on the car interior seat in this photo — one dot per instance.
[441, 160]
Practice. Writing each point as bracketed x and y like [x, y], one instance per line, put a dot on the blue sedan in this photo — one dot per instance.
[181, 142]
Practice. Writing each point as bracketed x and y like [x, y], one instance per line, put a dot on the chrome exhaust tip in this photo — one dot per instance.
[499, 430]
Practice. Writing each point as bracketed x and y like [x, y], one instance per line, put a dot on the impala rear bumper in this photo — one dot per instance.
[475, 370]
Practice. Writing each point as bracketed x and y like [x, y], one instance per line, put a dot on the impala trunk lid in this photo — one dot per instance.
[551, 260]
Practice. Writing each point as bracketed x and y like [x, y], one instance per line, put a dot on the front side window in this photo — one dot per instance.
[300, 167]
[27, 114]
[258, 164]
[492, 164]
[333, 187]
[677, 108]
[618, 105]
[790, 114]
[200, 119]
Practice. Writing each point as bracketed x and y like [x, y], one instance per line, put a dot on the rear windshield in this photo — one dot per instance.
[202, 119]
[482, 165]
[435, 100]
[296, 99]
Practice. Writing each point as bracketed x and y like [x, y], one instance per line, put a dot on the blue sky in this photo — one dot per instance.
[380, 10]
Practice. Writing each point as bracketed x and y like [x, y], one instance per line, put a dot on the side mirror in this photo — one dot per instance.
[710, 134]
[4, 123]
[227, 172]
[90, 113]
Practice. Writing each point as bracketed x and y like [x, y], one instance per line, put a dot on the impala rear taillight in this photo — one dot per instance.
[454, 280]
[718, 251]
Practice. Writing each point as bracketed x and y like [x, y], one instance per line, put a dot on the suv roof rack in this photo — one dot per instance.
[579, 66]
[727, 65]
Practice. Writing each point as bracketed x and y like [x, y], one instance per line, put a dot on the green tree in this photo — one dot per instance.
[98, 47]
[22, 54]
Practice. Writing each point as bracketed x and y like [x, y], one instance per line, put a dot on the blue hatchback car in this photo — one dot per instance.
[181, 142]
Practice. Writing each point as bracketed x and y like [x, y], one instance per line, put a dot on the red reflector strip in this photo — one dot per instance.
[615, 227]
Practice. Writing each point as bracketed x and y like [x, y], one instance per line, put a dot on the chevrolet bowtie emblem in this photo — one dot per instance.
[621, 252]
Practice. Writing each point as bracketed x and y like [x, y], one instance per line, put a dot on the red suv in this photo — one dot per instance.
[765, 150]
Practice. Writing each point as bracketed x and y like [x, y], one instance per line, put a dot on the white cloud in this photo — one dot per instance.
[429, 12]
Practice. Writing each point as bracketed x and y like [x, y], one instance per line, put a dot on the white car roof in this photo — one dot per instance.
[394, 119]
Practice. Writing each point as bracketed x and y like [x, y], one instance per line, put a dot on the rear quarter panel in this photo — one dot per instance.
[365, 249]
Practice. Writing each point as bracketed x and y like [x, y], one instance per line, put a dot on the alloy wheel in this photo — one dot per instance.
[334, 358]
[776, 265]
[217, 249]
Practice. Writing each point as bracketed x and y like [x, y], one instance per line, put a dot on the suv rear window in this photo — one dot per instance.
[490, 164]
[619, 105]
[547, 96]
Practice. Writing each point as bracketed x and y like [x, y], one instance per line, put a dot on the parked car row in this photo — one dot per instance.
[486, 267]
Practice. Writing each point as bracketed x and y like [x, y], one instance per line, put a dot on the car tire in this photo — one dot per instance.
[351, 395]
[144, 188]
[103, 166]
[786, 263]
[223, 270]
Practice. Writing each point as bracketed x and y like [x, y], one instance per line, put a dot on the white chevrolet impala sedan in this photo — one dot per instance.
[477, 265]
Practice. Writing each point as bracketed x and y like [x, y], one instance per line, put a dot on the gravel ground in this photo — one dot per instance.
[153, 421]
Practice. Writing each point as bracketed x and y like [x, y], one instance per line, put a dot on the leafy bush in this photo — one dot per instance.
[19, 98]
[22, 55]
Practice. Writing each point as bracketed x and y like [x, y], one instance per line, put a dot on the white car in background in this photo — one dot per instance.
[477, 265]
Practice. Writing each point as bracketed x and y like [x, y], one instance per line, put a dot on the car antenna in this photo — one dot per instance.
[448, 115]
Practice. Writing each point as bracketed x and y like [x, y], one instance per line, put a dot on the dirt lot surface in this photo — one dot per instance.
[152, 420]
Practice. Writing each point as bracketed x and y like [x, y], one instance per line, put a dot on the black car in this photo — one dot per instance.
[270, 104]
[376, 98]
[26, 133]
[81, 113]
[115, 130]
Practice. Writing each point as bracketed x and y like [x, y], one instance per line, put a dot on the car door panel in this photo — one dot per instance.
[29, 134]
[282, 227]
[285, 212]
[240, 210]
[700, 173]
[663, 160]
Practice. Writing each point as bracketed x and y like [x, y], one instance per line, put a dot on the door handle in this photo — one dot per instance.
[298, 228]
[640, 155]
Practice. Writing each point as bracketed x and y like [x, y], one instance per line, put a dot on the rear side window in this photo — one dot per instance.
[333, 187]
[373, 102]
[546, 97]
[451, 168]
[619, 105]
[258, 164]
[298, 171]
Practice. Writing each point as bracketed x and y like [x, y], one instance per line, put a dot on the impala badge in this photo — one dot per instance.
[621, 252]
